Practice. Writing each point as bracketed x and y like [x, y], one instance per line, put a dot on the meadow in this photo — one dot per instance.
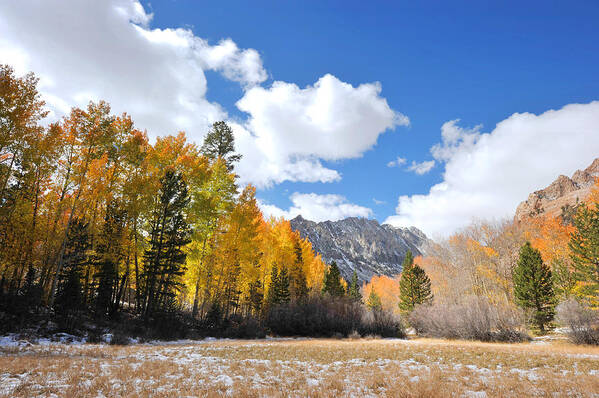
[302, 368]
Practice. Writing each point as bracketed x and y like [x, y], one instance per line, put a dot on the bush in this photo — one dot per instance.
[475, 318]
[582, 322]
[327, 316]
[381, 323]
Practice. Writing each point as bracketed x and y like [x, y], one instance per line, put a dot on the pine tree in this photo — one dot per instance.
[298, 283]
[584, 248]
[164, 261]
[374, 301]
[283, 294]
[255, 297]
[69, 298]
[332, 281]
[272, 297]
[108, 256]
[354, 289]
[414, 285]
[533, 286]
[220, 144]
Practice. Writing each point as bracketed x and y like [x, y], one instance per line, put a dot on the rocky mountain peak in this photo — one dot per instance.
[561, 192]
[362, 244]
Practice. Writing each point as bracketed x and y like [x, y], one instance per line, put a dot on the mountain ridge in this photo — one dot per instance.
[362, 244]
[564, 191]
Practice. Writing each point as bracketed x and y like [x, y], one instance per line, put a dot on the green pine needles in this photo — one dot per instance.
[533, 286]
[414, 285]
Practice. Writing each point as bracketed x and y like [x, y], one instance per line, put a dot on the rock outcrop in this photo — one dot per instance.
[362, 245]
[564, 191]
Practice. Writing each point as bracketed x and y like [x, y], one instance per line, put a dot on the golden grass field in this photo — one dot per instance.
[302, 368]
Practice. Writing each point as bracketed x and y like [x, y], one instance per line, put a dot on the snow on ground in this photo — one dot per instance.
[296, 367]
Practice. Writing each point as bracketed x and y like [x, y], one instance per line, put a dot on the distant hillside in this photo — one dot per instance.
[562, 192]
[361, 244]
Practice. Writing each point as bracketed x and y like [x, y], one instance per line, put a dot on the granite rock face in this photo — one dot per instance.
[362, 245]
[564, 191]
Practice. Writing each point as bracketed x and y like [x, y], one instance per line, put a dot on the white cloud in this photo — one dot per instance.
[291, 129]
[487, 175]
[422, 167]
[317, 208]
[89, 50]
[378, 202]
[397, 162]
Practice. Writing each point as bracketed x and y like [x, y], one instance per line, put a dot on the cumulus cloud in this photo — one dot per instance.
[90, 50]
[292, 129]
[317, 208]
[421, 168]
[397, 162]
[488, 174]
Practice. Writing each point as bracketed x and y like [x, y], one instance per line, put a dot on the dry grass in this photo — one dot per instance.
[313, 368]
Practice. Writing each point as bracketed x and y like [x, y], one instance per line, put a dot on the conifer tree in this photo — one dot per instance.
[374, 301]
[255, 297]
[414, 285]
[584, 247]
[69, 298]
[108, 256]
[298, 283]
[533, 286]
[283, 294]
[164, 261]
[332, 281]
[272, 297]
[354, 288]
[220, 144]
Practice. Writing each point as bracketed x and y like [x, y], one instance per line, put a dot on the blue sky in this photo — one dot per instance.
[480, 62]
[436, 61]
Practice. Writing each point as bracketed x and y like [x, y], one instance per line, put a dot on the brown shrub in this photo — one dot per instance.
[474, 318]
[582, 322]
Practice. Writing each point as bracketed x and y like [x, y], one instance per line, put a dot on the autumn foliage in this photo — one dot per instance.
[83, 211]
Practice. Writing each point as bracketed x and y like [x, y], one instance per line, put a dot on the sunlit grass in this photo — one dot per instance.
[315, 368]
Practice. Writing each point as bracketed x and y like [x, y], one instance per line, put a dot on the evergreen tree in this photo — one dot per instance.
[220, 144]
[272, 298]
[298, 283]
[584, 248]
[354, 288]
[533, 286]
[69, 299]
[282, 289]
[255, 297]
[108, 257]
[374, 301]
[414, 285]
[164, 260]
[332, 281]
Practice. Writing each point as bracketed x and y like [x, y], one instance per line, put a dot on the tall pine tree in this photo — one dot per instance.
[533, 286]
[220, 144]
[164, 261]
[354, 289]
[332, 281]
[414, 285]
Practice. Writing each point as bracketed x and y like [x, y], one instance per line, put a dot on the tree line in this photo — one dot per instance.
[97, 219]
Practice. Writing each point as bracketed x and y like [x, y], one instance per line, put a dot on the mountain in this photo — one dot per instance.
[361, 244]
[564, 191]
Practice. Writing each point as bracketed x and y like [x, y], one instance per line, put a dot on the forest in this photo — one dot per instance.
[101, 228]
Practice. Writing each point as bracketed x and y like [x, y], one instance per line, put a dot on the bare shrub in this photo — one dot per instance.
[582, 322]
[381, 323]
[474, 318]
[328, 316]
